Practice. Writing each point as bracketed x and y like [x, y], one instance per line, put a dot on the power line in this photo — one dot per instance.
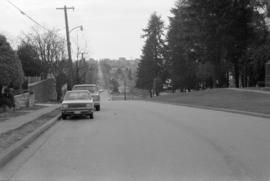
[23, 13]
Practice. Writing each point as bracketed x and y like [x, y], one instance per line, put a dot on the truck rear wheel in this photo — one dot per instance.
[64, 117]
[97, 107]
[91, 116]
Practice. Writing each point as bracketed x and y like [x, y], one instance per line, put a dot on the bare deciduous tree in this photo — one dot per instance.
[50, 47]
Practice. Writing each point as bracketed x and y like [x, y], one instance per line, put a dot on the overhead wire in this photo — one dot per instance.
[29, 17]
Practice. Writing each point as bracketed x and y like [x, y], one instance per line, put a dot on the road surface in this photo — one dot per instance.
[136, 140]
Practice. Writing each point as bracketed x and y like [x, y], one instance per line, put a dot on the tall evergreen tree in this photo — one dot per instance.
[152, 59]
[240, 31]
[252, 64]
[182, 41]
[217, 32]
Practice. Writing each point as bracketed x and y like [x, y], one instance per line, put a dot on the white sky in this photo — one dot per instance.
[112, 28]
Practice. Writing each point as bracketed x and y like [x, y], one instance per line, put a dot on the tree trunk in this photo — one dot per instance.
[58, 92]
[236, 75]
[244, 77]
[150, 93]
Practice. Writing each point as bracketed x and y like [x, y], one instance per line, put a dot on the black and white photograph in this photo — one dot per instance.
[135, 90]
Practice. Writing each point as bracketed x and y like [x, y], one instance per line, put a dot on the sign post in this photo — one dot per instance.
[267, 74]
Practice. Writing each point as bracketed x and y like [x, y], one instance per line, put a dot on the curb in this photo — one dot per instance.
[228, 110]
[217, 109]
[251, 90]
[18, 147]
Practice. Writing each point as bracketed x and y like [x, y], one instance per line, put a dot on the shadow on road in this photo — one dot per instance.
[78, 118]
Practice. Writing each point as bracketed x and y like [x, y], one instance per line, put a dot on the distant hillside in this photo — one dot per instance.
[119, 71]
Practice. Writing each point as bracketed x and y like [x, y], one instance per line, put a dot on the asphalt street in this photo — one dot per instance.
[137, 140]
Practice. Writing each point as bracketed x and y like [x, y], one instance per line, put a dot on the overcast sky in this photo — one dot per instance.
[112, 28]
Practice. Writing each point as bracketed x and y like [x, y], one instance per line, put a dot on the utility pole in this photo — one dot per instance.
[78, 80]
[82, 54]
[125, 90]
[125, 85]
[70, 80]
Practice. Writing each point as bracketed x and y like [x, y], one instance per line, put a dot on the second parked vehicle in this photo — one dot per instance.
[94, 91]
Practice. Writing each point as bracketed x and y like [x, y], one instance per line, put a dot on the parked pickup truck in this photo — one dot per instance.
[94, 92]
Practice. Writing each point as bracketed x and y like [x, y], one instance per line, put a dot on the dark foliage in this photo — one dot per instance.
[32, 65]
[11, 72]
[114, 85]
[152, 60]
[209, 41]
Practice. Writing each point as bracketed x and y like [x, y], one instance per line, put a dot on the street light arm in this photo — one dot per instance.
[81, 28]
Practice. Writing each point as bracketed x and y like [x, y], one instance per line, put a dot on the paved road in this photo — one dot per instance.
[150, 142]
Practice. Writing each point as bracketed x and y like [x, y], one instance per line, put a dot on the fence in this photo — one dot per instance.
[24, 100]
[33, 79]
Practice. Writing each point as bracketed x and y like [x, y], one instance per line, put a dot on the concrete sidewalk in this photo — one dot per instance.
[18, 121]
[250, 90]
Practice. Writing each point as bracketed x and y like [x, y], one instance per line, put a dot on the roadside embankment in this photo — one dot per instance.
[246, 102]
[19, 131]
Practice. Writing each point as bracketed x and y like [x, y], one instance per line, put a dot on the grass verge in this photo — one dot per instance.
[18, 112]
[220, 98]
[9, 138]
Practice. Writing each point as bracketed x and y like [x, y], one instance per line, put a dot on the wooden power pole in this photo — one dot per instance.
[70, 78]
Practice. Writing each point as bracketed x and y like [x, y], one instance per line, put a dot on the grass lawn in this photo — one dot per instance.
[221, 98]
